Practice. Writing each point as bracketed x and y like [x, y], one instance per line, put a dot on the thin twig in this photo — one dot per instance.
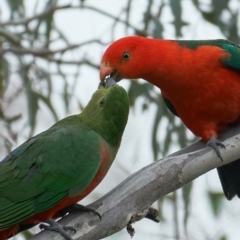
[10, 37]
[43, 51]
[46, 12]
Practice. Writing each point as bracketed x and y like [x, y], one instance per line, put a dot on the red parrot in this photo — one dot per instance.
[199, 81]
[61, 165]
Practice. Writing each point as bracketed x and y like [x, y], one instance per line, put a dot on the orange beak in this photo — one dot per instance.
[105, 71]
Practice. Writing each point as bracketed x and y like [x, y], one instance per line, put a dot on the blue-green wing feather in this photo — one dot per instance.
[45, 169]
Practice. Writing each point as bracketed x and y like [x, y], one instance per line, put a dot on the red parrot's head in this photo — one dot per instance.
[125, 58]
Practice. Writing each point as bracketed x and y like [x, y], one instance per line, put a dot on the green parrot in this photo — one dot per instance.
[60, 166]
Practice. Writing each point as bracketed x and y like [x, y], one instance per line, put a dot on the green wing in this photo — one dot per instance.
[59, 162]
[230, 47]
[170, 106]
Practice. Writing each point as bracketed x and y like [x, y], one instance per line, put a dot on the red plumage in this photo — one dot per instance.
[205, 93]
[201, 80]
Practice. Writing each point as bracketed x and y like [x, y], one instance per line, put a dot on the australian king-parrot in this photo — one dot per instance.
[199, 81]
[63, 164]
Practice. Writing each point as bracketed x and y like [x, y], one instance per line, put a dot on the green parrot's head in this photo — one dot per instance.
[107, 113]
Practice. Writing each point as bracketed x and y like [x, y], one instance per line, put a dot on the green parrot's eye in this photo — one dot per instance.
[102, 102]
[125, 56]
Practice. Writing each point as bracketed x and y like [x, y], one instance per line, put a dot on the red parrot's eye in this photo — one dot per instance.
[125, 56]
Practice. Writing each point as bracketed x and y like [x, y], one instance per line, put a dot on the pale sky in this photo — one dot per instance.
[135, 151]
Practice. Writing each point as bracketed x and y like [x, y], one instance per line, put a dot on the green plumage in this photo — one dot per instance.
[63, 160]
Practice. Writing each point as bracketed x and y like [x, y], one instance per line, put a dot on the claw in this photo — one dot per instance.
[57, 227]
[78, 208]
[215, 144]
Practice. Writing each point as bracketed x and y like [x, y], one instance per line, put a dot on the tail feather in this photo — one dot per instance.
[230, 179]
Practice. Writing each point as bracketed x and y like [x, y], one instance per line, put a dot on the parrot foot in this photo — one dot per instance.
[215, 144]
[57, 227]
[78, 208]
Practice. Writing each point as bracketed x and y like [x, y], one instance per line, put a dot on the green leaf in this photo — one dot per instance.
[17, 8]
[186, 192]
[147, 15]
[216, 200]
[48, 103]
[219, 6]
[139, 90]
[45, 75]
[155, 143]
[4, 74]
[223, 238]
[158, 30]
[177, 13]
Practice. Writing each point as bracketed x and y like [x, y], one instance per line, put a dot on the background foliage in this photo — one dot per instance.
[41, 65]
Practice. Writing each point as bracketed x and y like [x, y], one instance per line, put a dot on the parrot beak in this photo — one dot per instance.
[106, 70]
[110, 82]
[107, 83]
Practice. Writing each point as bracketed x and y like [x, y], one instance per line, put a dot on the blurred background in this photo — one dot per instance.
[50, 52]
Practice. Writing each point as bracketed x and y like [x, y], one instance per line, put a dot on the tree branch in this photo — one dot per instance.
[116, 19]
[46, 12]
[45, 52]
[10, 37]
[139, 191]
[72, 62]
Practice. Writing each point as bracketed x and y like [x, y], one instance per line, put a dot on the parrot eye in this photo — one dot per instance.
[125, 56]
[102, 102]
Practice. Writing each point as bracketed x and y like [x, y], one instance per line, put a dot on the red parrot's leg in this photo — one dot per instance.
[215, 144]
[208, 133]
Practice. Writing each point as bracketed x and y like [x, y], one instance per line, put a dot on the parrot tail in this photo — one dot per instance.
[230, 179]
